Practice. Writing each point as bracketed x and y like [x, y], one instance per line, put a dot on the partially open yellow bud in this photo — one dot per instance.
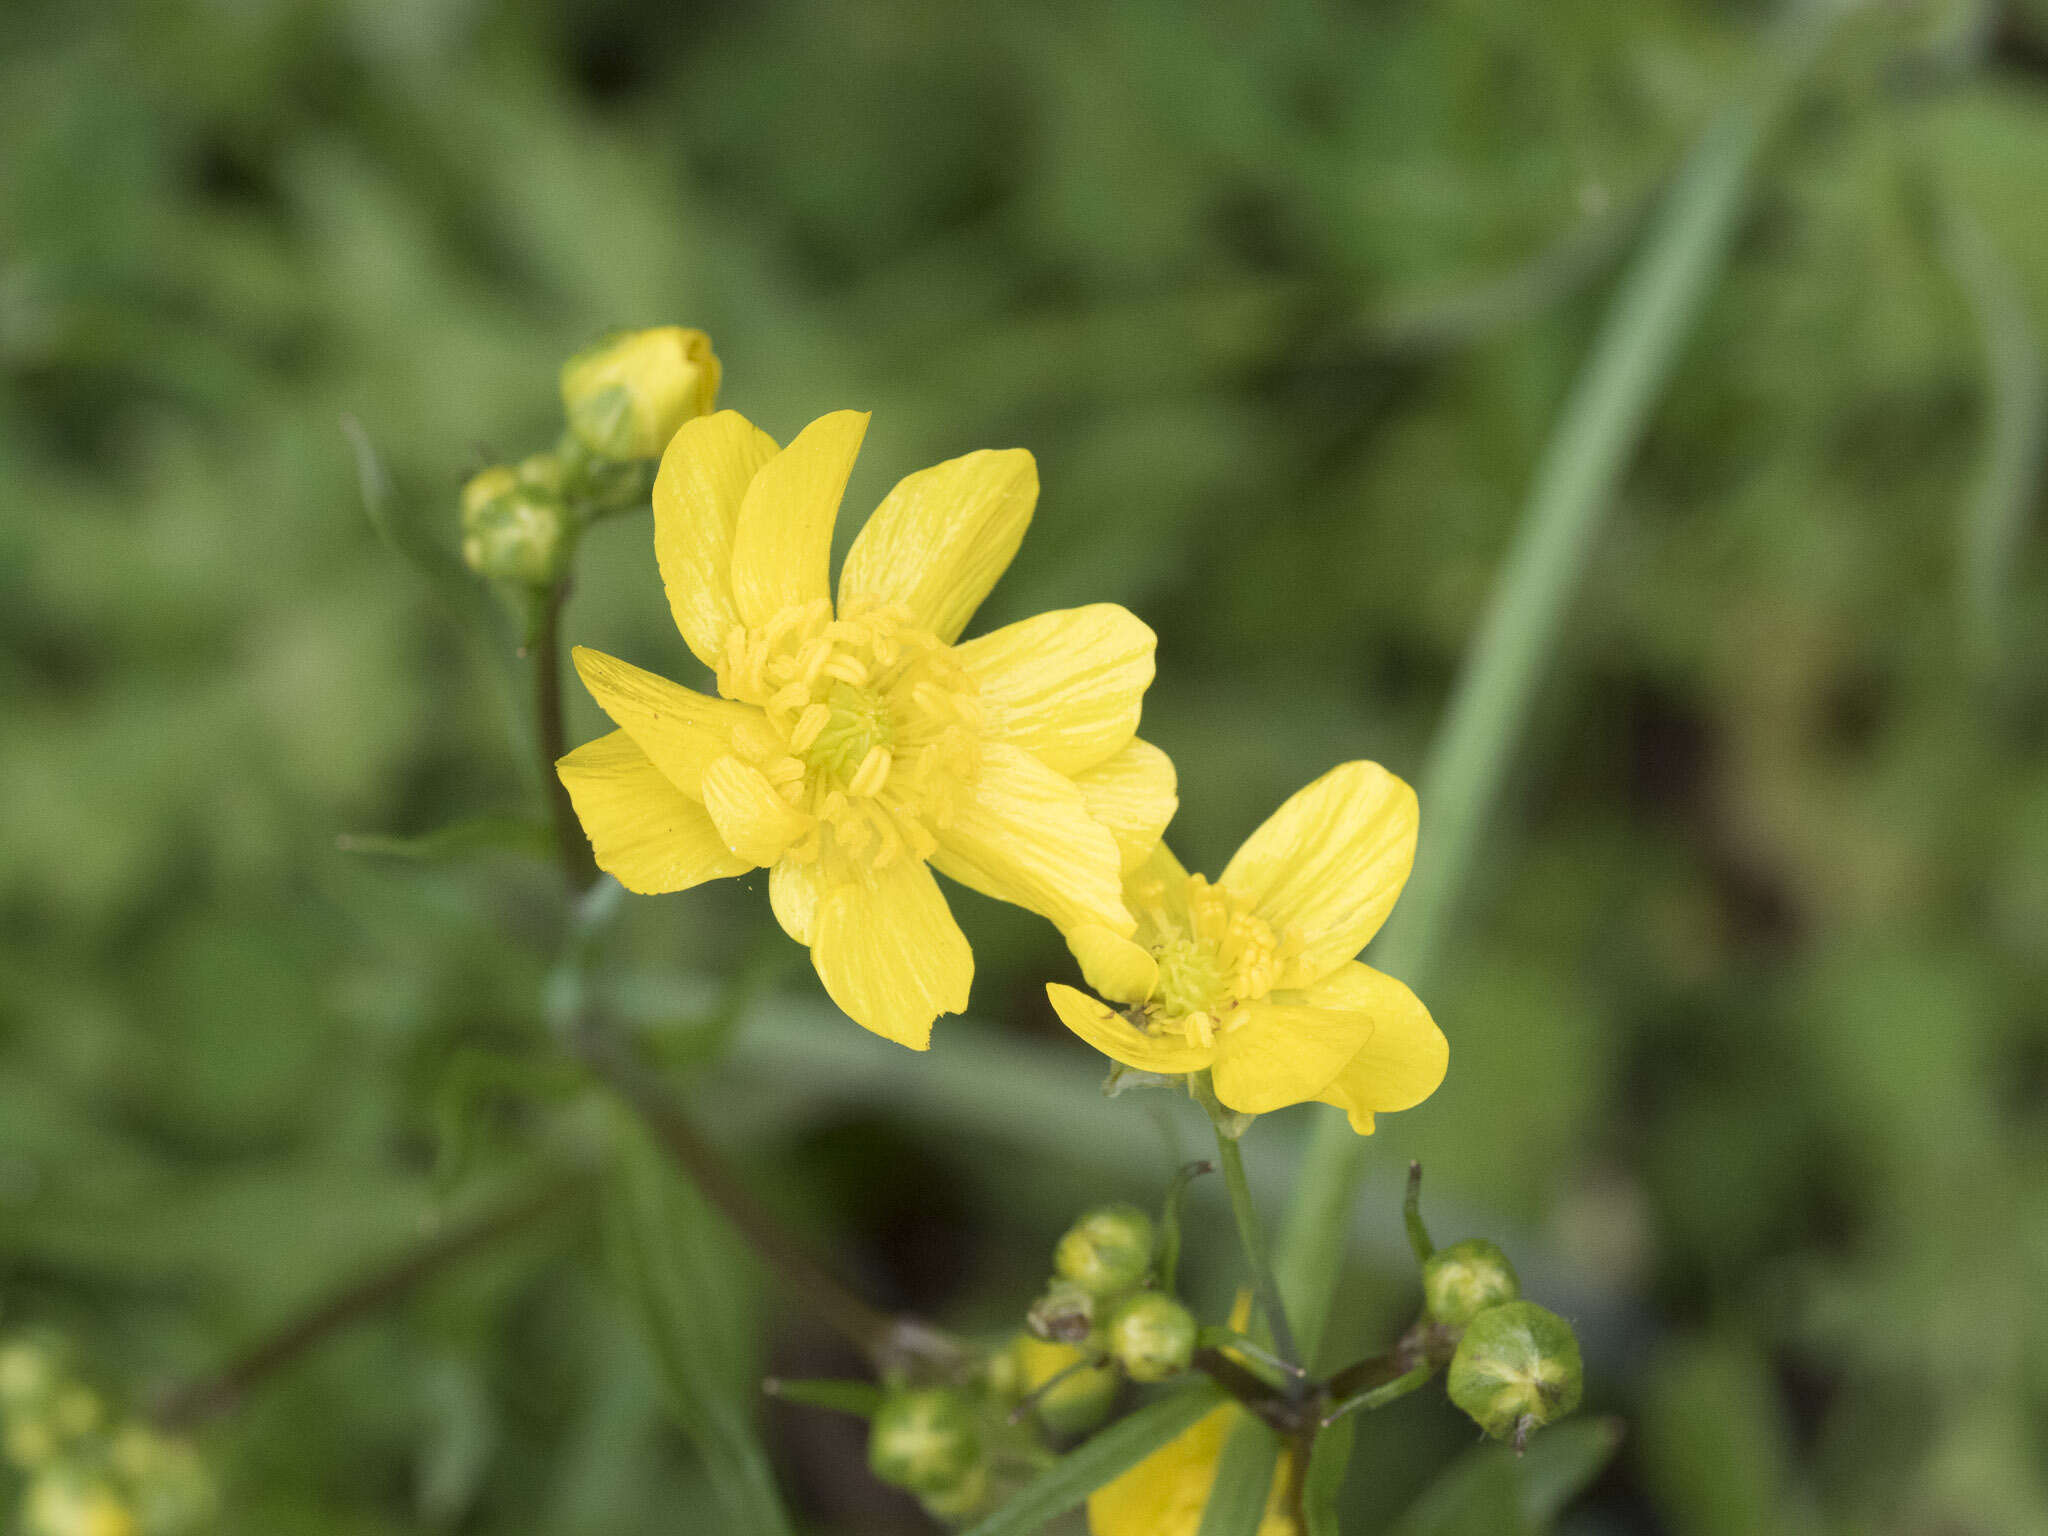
[626, 396]
[1081, 1396]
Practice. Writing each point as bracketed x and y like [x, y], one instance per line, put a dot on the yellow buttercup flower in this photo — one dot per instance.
[854, 745]
[1252, 977]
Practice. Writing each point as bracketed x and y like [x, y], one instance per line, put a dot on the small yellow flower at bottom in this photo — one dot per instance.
[1167, 1493]
[1252, 979]
[856, 746]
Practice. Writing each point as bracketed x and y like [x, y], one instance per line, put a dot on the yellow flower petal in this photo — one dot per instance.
[646, 833]
[1114, 966]
[890, 954]
[1134, 794]
[1329, 864]
[939, 541]
[1402, 1062]
[756, 822]
[704, 477]
[1285, 1053]
[1167, 1493]
[1022, 834]
[793, 896]
[1066, 686]
[782, 546]
[1121, 1040]
[681, 731]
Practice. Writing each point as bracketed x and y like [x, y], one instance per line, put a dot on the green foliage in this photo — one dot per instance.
[1745, 1022]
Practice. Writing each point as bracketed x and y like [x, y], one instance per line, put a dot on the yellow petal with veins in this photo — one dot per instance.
[1121, 1040]
[682, 731]
[1133, 793]
[793, 896]
[1402, 1062]
[782, 544]
[1114, 966]
[1065, 686]
[889, 952]
[756, 822]
[1022, 834]
[1329, 864]
[942, 537]
[703, 479]
[647, 834]
[1284, 1054]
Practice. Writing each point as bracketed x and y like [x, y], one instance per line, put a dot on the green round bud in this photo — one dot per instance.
[545, 473]
[923, 1440]
[1463, 1280]
[1108, 1251]
[963, 1501]
[520, 537]
[1152, 1336]
[483, 488]
[1517, 1368]
[626, 397]
[1072, 1396]
[1065, 1313]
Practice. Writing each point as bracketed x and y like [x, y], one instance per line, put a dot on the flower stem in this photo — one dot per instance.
[1411, 1213]
[544, 649]
[208, 1397]
[1249, 1232]
[1380, 1396]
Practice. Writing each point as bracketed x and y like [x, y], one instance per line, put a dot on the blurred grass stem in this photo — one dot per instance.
[1603, 420]
[544, 651]
[207, 1398]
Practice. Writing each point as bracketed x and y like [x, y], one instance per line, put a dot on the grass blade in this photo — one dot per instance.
[1603, 420]
[1099, 1460]
[1244, 1475]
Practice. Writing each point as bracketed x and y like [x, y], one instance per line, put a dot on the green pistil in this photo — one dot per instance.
[859, 724]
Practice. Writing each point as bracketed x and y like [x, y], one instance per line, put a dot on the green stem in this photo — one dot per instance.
[207, 1398]
[1380, 1396]
[1602, 423]
[1249, 1232]
[1411, 1214]
[1251, 1349]
[544, 648]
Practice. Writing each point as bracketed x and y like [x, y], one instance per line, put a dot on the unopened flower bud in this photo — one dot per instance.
[1108, 1251]
[1517, 1368]
[63, 1503]
[923, 1440]
[1072, 1395]
[513, 530]
[1463, 1280]
[963, 1500]
[1152, 1336]
[626, 396]
[1065, 1313]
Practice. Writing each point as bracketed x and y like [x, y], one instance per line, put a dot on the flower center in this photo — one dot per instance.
[1215, 956]
[871, 725]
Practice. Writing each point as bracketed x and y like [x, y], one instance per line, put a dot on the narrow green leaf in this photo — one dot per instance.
[1244, 1476]
[1328, 1460]
[459, 839]
[1603, 421]
[658, 1232]
[859, 1398]
[1100, 1460]
[1561, 1461]
[1490, 1489]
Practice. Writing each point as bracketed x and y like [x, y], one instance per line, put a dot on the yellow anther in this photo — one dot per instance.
[872, 774]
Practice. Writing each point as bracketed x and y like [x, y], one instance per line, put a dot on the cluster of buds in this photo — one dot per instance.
[1104, 1301]
[1516, 1365]
[85, 1473]
[622, 400]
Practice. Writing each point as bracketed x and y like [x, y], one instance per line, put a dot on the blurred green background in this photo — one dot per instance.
[1748, 1010]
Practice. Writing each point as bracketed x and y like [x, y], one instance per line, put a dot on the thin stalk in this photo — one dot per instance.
[1603, 421]
[1411, 1215]
[1249, 1232]
[208, 1397]
[1251, 1349]
[544, 649]
[1380, 1396]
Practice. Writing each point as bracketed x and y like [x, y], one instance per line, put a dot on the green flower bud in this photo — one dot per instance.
[1152, 1336]
[923, 1440]
[1108, 1251]
[1463, 1280]
[1065, 1313]
[963, 1501]
[1079, 1396]
[542, 472]
[1517, 1368]
[626, 396]
[513, 530]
